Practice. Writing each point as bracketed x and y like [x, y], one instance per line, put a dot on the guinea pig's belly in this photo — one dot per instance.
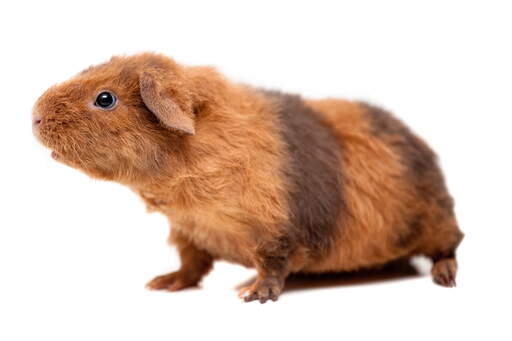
[220, 244]
[354, 253]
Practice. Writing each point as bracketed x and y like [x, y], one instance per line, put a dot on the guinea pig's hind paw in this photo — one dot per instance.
[262, 290]
[444, 271]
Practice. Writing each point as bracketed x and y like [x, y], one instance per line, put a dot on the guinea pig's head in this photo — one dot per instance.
[121, 120]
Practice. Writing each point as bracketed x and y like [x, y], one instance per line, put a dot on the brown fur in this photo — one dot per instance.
[259, 178]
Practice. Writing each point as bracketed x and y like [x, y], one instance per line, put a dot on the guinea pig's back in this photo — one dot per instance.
[393, 190]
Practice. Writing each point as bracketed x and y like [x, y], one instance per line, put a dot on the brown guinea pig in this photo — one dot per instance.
[260, 178]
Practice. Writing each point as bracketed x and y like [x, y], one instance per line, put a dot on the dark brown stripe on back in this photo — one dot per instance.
[314, 172]
[420, 162]
[419, 159]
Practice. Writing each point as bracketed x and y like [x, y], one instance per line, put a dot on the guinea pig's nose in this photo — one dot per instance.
[37, 117]
[37, 121]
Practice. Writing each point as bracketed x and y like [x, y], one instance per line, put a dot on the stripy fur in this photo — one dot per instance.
[260, 178]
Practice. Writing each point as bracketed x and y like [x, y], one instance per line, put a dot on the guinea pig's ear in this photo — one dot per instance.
[156, 95]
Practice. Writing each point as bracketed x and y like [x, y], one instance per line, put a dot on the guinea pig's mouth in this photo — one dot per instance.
[56, 156]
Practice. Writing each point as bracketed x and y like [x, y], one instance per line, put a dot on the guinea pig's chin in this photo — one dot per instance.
[47, 143]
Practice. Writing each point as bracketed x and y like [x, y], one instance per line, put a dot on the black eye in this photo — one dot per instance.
[105, 100]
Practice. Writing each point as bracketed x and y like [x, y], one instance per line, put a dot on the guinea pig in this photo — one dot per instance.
[260, 178]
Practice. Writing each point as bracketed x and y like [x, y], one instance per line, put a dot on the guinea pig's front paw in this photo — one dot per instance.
[263, 289]
[173, 281]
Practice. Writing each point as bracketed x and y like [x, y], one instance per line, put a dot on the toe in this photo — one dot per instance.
[159, 283]
[263, 294]
[244, 292]
[251, 296]
[274, 293]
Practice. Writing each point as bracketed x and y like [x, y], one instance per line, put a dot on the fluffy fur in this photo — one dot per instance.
[263, 179]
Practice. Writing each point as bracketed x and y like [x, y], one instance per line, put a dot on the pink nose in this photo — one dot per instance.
[37, 122]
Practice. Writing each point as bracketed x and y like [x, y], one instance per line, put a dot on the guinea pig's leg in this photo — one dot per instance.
[273, 266]
[195, 263]
[442, 252]
[444, 271]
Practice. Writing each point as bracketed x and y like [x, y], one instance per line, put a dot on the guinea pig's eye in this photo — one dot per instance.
[105, 100]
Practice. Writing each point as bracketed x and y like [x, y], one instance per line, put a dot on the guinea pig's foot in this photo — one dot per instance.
[444, 271]
[173, 281]
[262, 289]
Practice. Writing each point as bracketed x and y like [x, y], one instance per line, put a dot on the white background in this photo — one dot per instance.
[75, 253]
